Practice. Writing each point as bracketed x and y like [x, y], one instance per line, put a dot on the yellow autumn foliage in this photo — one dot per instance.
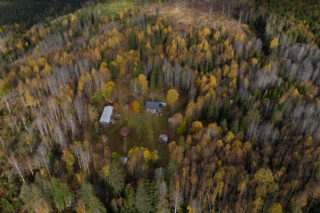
[172, 96]
[274, 43]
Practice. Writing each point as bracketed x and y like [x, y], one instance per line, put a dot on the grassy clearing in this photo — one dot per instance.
[144, 127]
[144, 131]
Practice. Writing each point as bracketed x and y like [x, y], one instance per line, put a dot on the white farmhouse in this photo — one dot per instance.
[106, 116]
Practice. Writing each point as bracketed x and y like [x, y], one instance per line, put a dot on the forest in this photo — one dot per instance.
[30, 12]
[241, 111]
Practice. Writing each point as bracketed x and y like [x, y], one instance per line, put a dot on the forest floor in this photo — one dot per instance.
[212, 14]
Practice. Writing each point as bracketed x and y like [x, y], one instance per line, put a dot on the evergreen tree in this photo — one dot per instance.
[29, 195]
[91, 202]
[160, 83]
[172, 168]
[116, 178]
[162, 197]
[128, 204]
[235, 126]
[224, 125]
[213, 111]
[39, 191]
[133, 40]
[61, 194]
[153, 79]
[143, 201]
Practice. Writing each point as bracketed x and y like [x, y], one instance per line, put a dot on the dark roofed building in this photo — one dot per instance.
[154, 107]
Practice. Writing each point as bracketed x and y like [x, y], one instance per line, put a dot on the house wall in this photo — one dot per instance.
[104, 124]
[152, 111]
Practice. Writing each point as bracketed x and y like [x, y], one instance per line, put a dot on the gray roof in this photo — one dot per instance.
[154, 105]
[106, 115]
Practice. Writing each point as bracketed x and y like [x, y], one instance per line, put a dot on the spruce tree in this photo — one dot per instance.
[116, 178]
[128, 204]
[160, 81]
[162, 197]
[153, 79]
[143, 201]
[61, 194]
[91, 202]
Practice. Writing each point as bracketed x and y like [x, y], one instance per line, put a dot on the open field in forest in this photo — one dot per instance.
[213, 14]
[144, 132]
[144, 127]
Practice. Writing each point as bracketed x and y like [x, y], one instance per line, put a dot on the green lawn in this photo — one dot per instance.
[144, 132]
[144, 127]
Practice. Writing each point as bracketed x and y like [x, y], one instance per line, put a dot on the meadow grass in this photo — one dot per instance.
[144, 132]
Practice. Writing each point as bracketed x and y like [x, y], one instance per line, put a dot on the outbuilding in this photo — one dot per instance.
[163, 138]
[124, 131]
[106, 116]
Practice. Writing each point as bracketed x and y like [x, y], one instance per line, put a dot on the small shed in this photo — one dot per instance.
[154, 107]
[106, 116]
[124, 131]
[163, 138]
